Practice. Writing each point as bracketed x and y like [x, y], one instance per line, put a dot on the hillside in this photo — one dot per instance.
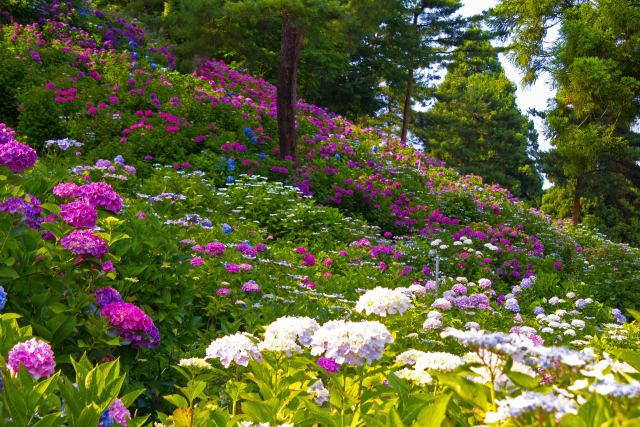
[386, 256]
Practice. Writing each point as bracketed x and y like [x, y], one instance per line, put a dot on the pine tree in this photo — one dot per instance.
[476, 126]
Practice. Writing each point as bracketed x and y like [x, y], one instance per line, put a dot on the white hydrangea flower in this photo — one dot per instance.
[530, 401]
[351, 342]
[432, 323]
[442, 304]
[433, 361]
[285, 333]
[577, 323]
[419, 377]
[194, 362]
[418, 289]
[239, 348]
[383, 301]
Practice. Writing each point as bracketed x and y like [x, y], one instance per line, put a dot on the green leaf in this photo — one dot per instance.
[393, 418]
[177, 400]
[50, 420]
[434, 414]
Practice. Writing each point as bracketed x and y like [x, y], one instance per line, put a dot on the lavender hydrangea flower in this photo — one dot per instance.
[28, 210]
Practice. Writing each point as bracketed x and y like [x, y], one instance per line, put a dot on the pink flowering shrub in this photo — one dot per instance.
[17, 157]
[79, 214]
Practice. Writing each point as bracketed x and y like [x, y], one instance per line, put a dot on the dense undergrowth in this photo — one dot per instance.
[202, 235]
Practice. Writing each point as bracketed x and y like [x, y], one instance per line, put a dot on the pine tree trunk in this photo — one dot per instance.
[290, 46]
[576, 202]
[406, 112]
[407, 106]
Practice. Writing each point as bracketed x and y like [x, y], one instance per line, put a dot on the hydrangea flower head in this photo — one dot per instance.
[250, 286]
[131, 323]
[66, 189]
[383, 301]
[17, 157]
[328, 364]
[238, 348]
[79, 214]
[101, 194]
[83, 242]
[35, 355]
[6, 134]
[106, 296]
[287, 333]
[3, 298]
[117, 412]
[351, 342]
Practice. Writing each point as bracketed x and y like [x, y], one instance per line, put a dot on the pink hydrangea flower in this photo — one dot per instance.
[117, 412]
[79, 214]
[250, 286]
[83, 242]
[215, 248]
[66, 189]
[131, 323]
[35, 355]
[101, 194]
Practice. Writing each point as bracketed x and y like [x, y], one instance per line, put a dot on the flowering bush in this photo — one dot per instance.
[506, 316]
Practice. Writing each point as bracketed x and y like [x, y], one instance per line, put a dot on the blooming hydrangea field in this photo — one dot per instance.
[175, 271]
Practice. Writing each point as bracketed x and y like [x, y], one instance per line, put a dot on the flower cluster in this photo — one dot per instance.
[432, 361]
[79, 214]
[383, 301]
[351, 342]
[3, 298]
[17, 157]
[101, 194]
[194, 362]
[63, 144]
[117, 412]
[35, 355]
[286, 333]
[530, 401]
[6, 134]
[238, 348]
[132, 324]
[28, 210]
[83, 242]
[105, 296]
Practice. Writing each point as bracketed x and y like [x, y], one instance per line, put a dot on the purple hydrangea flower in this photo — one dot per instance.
[28, 210]
[66, 189]
[106, 296]
[101, 194]
[17, 157]
[328, 364]
[6, 134]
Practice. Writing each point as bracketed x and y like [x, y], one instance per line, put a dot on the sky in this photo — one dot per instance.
[533, 96]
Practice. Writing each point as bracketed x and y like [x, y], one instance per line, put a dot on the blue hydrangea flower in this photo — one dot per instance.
[105, 419]
[230, 179]
[226, 228]
[248, 132]
[3, 298]
[262, 156]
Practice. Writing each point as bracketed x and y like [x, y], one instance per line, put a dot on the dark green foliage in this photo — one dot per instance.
[476, 126]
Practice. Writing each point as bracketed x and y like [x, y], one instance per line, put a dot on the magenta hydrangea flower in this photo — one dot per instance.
[17, 157]
[309, 260]
[105, 296]
[196, 261]
[79, 214]
[66, 189]
[35, 355]
[131, 323]
[108, 266]
[83, 242]
[101, 194]
[328, 364]
[215, 248]
[233, 268]
[250, 286]
[6, 134]
[117, 412]
[223, 291]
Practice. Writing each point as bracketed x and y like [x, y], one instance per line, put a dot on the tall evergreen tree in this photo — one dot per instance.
[476, 126]
[596, 68]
